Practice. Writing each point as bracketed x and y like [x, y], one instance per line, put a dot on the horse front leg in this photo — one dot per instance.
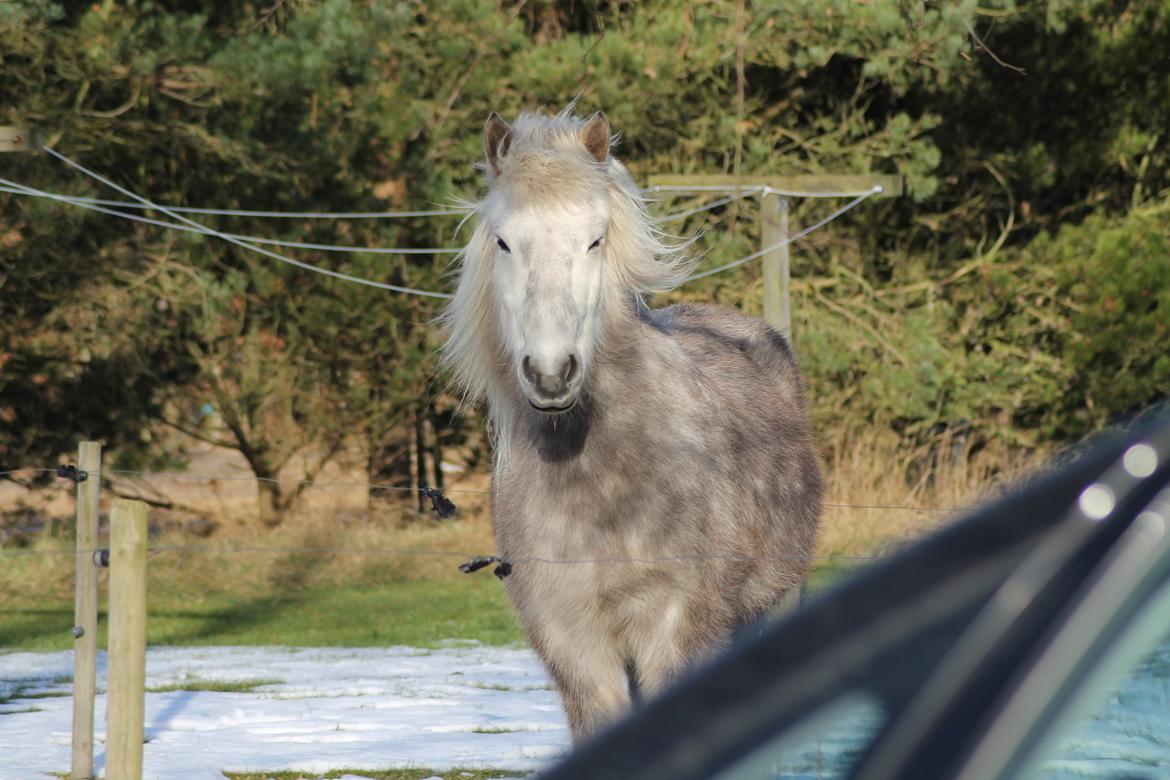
[668, 645]
[589, 674]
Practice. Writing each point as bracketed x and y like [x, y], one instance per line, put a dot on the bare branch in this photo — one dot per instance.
[983, 45]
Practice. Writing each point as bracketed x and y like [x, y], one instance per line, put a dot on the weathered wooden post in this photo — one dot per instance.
[125, 694]
[774, 233]
[85, 608]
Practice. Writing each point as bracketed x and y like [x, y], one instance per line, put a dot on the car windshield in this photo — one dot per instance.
[827, 746]
[1118, 726]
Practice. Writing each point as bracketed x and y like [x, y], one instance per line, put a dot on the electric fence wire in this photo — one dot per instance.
[348, 215]
[251, 242]
[210, 549]
[753, 188]
[789, 240]
[188, 477]
[330, 215]
[98, 206]
[16, 188]
[238, 242]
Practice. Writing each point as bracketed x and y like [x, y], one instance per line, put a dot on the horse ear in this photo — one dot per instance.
[595, 136]
[497, 137]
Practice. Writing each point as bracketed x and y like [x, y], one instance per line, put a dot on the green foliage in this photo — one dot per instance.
[1113, 294]
[1062, 337]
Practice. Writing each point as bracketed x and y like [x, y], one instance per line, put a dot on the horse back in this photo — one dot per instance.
[716, 335]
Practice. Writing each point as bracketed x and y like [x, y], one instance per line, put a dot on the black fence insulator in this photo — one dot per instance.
[475, 564]
[101, 558]
[440, 504]
[503, 569]
[72, 472]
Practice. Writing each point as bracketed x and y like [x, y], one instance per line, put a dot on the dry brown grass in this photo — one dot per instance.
[882, 493]
[336, 536]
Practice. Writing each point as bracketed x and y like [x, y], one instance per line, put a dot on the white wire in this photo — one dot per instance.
[260, 214]
[97, 204]
[94, 204]
[765, 189]
[279, 214]
[240, 243]
[88, 203]
[249, 242]
[708, 206]
[787, 241]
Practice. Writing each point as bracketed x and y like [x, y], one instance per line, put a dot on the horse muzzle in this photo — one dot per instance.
[551, 386]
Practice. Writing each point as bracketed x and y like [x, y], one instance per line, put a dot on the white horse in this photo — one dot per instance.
[655, 483]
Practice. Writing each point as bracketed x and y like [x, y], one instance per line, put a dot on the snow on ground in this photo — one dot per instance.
[319, 709]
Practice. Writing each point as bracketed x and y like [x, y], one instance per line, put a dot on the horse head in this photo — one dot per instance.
[548, 215]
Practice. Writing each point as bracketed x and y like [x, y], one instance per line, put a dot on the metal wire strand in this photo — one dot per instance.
[207, 549]
[754, 188]
[251, 242]
[242, 244]
[338, 215]
[811, 229]
[188, 477]
[99, 205]
[707, 206]
[16, 188]
[215, 478]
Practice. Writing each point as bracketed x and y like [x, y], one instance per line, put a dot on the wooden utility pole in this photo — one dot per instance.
[126, 679]
[774, 192]
[85, 608]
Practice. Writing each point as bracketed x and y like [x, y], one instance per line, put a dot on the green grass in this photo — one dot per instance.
[494, 730]
[214, 686]
[20, 691]
[415, 613]
[389, 774]
[418, 613]
[490, 686]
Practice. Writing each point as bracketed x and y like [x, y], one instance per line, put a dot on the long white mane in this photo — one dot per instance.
[546, 163]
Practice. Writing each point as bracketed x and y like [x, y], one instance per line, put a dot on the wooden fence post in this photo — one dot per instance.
[125, 694]
[85, 609]
[774, 230]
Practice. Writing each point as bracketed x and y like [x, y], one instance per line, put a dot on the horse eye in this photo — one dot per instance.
[595, 244]
[500, 243]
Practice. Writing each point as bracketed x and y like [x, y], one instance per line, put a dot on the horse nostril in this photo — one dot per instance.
[526, 367]
[570, 369]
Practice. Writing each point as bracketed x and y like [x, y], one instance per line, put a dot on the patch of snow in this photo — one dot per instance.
[318, 710]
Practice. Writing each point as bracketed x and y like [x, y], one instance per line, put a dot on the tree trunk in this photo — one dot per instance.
[388, 462]
[271, 502]
[436, 449]
[420, 455]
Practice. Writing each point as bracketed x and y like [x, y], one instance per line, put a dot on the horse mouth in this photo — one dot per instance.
[552, 410]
